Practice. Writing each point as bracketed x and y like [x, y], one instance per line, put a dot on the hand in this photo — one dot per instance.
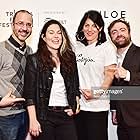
[90, 94]
[35, 128]
[87, 93]
[114, 118]
[10, 100]
[120, 72]
[69, 112]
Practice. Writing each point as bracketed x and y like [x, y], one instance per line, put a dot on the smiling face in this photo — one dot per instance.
[22, 27]
[53, 37]
[120, 35]
[91, 31]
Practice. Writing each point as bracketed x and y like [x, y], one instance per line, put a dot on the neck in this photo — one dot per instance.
[121, 50]
[21, 43]
[54, 52]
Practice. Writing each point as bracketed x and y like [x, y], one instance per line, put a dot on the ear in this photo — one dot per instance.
[42, 36]
[12, 26]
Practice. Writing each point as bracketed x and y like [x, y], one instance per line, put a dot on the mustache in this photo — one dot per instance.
[25, 31]
[120, 36]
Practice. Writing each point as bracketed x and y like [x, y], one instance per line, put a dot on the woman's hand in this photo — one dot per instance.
[69, 112]
[87, 93]
[35, 128]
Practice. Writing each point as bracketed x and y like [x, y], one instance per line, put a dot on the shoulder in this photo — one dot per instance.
[107, 44]
[2, 45]
[29, 50]
[79, 46]
[137, 47]
[3, 51]
[32, 56]
[32, 61]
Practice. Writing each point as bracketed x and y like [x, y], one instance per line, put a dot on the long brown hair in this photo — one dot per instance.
[65, 53]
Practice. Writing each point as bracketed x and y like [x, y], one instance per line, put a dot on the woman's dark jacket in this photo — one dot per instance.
[37, 86]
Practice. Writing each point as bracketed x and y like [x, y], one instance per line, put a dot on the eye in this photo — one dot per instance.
[20, 23]
[86, 25]
[29, 25]
[123, 29]
[59, 32]
[113, 32]
[51, 32]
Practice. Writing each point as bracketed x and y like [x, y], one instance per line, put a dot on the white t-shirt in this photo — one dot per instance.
[91, 61]
[58, 95]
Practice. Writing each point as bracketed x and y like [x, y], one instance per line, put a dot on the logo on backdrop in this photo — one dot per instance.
[6, 18]
[48, 15]
[61, 16]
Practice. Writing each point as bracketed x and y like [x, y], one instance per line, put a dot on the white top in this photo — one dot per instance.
[58, 90]
[91, 61]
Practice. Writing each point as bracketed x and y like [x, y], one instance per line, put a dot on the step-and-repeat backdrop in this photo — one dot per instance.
[69, 13]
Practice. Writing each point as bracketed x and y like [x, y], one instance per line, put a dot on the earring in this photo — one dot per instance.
[80, 36]
[99, 36]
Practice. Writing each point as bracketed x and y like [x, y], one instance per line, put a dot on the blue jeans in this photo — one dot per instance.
[13, 127]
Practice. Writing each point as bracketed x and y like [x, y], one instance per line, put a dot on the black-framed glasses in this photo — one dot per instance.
[22, 24]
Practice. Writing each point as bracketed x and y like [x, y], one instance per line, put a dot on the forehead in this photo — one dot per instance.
[23, 16]
[89, 21]
[53, 27]
[118, 25]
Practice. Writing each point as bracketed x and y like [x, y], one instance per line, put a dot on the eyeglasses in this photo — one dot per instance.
[21, 24]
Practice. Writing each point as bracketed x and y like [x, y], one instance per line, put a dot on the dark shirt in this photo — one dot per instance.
[16, 44]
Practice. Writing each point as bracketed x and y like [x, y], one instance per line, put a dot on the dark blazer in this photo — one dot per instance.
[128, 111]
[38, 83]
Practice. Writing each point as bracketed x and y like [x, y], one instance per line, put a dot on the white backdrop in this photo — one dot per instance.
[69, 13]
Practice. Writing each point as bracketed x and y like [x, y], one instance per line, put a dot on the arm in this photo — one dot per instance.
[108, 78]
[30, 87]
[34, 126]
[77, 90]
[30, 79]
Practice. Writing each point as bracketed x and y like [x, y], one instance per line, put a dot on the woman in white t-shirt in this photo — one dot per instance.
[96, 59]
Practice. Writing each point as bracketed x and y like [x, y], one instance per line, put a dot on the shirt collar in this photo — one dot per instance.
[92, 45]
[124, 53]
[16, 44]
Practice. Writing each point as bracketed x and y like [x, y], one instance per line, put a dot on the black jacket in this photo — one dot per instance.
[37, 86]
[129, 110]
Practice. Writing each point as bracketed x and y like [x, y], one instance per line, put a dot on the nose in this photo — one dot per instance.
[90, 28]
[55, 35]
[24, 27]
[119, 33]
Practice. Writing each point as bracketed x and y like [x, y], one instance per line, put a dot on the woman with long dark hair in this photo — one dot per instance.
[51, 86]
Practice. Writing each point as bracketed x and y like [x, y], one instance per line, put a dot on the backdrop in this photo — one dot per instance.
[69, 13]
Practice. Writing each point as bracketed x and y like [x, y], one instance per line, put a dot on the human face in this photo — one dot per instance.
[53, 37]
[120, 35]
[91, 31]
[22, 27]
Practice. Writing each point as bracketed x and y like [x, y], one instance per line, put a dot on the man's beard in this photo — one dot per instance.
[124, 44]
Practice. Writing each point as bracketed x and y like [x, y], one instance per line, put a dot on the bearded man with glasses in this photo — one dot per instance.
[13, 54]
